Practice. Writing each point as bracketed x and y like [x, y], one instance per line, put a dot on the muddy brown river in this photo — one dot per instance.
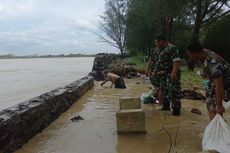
[97, 132]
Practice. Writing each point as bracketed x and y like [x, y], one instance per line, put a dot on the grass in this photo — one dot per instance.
[139, 61]
[191, 79]
[188, 79]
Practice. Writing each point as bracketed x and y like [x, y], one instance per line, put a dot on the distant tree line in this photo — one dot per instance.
[12, 56]
[130, 25]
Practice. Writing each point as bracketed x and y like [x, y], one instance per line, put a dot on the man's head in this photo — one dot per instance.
[160, 40]
[195, 50]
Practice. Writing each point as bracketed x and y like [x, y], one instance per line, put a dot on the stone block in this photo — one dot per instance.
[130, 103]
[130, 121]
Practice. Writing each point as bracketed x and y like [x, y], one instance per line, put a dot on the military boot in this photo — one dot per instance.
[166, 105]
[176, 110]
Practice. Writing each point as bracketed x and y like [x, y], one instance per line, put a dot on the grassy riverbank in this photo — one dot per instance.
[188, 79]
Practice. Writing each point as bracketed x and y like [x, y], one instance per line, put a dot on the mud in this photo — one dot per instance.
[97, 132]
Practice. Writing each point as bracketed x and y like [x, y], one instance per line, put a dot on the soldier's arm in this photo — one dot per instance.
[176, 62]
[156, 67]
[155, 70]
[217, 70]
[149, 64]
[176, 66]
[219, 89]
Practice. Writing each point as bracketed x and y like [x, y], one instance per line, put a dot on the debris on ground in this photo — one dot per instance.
[76, 118]
[209, 151]
[196, 111]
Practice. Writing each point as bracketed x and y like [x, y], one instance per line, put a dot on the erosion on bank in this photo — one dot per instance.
[129, 67]
[104, 62]
[21, 122]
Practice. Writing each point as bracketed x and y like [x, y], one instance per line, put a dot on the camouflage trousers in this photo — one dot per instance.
[170, 89]
[155, 82]
[211, 94]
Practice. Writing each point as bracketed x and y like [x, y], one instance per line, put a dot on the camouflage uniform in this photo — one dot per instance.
[214, 67]
[170, 89]
[154, 81]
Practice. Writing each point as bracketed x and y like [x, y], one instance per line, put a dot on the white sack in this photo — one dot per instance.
[217, 136]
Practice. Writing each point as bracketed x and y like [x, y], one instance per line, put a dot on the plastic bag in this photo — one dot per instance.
[147, 98]
[217, 136]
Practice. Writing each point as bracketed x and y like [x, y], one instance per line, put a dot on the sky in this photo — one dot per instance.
[45, 27]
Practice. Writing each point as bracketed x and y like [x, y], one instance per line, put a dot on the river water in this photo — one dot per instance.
[22, 79]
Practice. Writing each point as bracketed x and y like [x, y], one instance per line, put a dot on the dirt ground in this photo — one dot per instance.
[97, 132]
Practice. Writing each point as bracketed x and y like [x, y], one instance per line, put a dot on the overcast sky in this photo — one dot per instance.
[51, 27]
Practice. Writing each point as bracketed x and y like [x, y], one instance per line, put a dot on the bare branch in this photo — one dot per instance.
[207, 4]
[211, 19]
[108, 41]
[114, 23]
[218, 9]
[212, 8]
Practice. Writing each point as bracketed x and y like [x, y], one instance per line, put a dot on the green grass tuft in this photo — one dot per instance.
[188, 79]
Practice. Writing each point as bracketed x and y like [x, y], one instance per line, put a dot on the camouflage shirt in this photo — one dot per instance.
[166, 57]
[215, 66]
[153, 58]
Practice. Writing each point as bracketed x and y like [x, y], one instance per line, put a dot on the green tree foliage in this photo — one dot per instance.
[217, 37]
[180, 20]
[205, 12]
[140, 26]
[147, 17]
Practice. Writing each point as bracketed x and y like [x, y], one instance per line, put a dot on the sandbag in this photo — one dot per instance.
[217, 136]
[148, 98]
[226, 105]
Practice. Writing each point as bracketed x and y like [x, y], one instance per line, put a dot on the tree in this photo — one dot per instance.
[114, 24]
[205, 12]
[148, 17]
[217, 37]
[140, 26]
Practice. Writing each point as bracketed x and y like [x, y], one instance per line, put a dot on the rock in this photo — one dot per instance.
[131, 75]
[76, 118]
[130, 103]
[196, 111]
[209, 151]
[193, 94]
[112, 63]
[101, 62]
[130, 121]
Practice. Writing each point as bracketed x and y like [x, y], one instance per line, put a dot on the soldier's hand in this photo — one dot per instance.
[174, 76]
[220, 110]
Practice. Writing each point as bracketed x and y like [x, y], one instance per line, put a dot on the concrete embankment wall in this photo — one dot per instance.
[21, 122]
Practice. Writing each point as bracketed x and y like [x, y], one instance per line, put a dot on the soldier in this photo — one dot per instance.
[167, 69]
[154, 81]
[217, 70]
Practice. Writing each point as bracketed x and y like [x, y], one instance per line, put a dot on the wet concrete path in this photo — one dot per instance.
[97, 132]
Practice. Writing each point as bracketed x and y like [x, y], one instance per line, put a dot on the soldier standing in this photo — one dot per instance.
[154, 81]
[168, 72]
